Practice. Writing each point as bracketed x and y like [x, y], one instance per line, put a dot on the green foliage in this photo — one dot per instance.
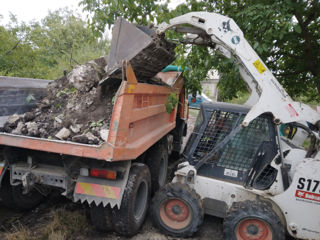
[285, 34]
[171, 102]
[45, 49]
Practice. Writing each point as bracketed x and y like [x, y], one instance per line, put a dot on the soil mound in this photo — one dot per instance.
[76, 108]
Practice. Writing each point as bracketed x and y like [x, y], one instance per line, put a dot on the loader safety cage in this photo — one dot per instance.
[253, 146]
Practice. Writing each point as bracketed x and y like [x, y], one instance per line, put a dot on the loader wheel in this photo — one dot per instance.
[101, 218]
[134, 205]
[157, 161]
[252, 220]
[177, 210]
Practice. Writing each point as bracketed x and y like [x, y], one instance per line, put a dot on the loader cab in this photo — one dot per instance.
[245, 159]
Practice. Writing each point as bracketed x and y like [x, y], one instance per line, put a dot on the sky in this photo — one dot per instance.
[27, 10]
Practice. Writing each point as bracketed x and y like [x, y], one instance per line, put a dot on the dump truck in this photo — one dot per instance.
[115, 178]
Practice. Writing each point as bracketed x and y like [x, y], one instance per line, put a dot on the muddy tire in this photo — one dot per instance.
[6, 192]
[177, 210]
[252, 220]
[157, 161]
[101, 218]
[134, 206]
[13, 197]
[26, 201]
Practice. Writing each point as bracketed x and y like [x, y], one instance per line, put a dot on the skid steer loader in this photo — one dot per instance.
[257, 166]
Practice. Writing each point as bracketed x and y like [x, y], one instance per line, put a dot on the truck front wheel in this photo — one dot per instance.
[134, 205]
[157, 161]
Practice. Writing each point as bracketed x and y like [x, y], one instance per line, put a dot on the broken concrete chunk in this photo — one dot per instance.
[92, 138]
[63, 134]
[58, 120]
[104, 133]
[32, 128]
[76, 128]
[84, 77]
[18, 129]
[13, 120]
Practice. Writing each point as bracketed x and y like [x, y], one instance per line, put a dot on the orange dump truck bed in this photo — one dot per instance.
[139, 119]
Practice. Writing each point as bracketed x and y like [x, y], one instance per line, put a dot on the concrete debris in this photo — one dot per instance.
[104, 133]
[76, 128]
[63, 134]
[32, 128]
[18, 129]
[13, 120]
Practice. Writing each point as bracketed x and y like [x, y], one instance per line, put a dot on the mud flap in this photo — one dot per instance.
[89, 189]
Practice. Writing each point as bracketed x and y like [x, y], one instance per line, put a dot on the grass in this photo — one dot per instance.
[62, 224]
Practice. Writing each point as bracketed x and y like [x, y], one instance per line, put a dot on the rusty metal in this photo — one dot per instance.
[139, 119]
[147, 52]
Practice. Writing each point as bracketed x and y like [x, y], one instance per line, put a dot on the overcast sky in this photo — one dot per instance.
[27, 10]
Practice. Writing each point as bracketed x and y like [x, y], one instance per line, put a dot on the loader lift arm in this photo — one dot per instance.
[267, 94]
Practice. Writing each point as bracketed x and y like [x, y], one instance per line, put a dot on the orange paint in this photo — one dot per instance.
[139, 119]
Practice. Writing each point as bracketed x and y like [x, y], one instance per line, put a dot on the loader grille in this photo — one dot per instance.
[239, 152]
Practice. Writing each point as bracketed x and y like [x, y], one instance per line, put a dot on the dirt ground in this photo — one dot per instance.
[60, 219]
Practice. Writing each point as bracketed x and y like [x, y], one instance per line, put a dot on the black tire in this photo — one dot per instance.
[169, 207]
[157, 161]
[6, 192]
[252, 220]
[135, 202]
[26, 201]
[13, 197]
[101, 218]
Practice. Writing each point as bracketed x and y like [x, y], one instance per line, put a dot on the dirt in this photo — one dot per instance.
[76, 108]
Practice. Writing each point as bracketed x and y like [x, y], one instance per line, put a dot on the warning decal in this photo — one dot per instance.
[259, 66]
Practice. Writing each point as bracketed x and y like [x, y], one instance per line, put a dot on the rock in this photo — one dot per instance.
[84, 77]
[32, 128]
[92, 138]
[104, 133]
[58, 120]
[28, 116]
[63, 134]
[76, 128]
[13, 120]
[18, 129]
[80, 139]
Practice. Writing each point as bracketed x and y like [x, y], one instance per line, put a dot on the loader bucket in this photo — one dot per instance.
[147, 52]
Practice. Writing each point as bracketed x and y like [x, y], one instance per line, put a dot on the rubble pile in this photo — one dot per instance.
[76, 108]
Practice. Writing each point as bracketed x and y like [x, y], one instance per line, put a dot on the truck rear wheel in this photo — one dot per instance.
[101, 218]
[177, 210]
[250, 220]
[13, 197]
[134, 205]
[157, 161]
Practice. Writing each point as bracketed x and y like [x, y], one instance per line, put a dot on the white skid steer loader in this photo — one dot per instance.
[257, 166]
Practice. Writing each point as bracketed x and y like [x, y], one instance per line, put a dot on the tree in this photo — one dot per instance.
[285, 33]
[44, 49]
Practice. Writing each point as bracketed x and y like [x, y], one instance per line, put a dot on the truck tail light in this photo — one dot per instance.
[99, 173]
